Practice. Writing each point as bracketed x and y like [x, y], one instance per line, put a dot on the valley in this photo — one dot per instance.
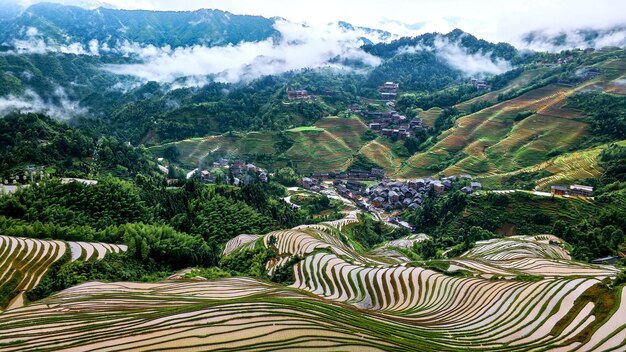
[180, 178]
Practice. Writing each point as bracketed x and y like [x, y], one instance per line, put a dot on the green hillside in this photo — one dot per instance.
[328, 145]
[514, 134]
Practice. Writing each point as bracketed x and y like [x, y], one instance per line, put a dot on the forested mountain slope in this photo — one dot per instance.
[69, 24]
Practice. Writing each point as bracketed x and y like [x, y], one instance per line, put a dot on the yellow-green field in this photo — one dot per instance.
[317, 150]
[490, 141]
[563, 169]
[326, 146]
[378, 152]
[348, 129]
[196, 149]
[429, 116]
[492, 96]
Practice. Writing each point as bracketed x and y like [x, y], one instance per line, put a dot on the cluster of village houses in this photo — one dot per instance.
[390, 123]
[346, 182]
[239, 172]
[574, 190]
[393, 125]
[394, 195]
[388, 194]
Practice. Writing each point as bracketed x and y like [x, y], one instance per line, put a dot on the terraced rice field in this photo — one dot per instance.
[530, 140]
[241, 241]
[564, 169]
[378, 152]
[24, 261]
[522, 255]
[326, 146]
[196, 149]
[318, 150]
[490, 141]
[492, 96]
[341, 300]
[94, 250]
[331, 139]
[617, 86]
[348, 129]
[406, 242]
[430, 116]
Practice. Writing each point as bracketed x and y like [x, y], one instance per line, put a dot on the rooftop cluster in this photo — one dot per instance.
[394, 195]
[235, 173]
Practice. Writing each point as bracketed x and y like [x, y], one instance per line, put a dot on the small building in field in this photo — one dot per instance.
[205, 176]
[388, 96]
[297, 94]
[390, 87]
[558, 190]
[476, 186]
[580, 191]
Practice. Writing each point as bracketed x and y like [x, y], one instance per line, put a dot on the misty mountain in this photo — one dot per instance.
[432, 61]
[435, 41]
[70, 24]
[370, 33]
[165, 69]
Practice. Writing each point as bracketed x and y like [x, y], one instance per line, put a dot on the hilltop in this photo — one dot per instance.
[58, 23]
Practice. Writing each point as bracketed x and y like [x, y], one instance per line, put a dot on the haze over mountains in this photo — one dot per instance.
[190, 49]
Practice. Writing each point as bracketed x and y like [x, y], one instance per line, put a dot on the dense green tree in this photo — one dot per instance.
[286, 176]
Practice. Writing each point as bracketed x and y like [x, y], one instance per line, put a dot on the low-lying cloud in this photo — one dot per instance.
[298, 47]
[471, 64]
[458, 57]
[556, 41]
[60, 107]
[35, 43]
